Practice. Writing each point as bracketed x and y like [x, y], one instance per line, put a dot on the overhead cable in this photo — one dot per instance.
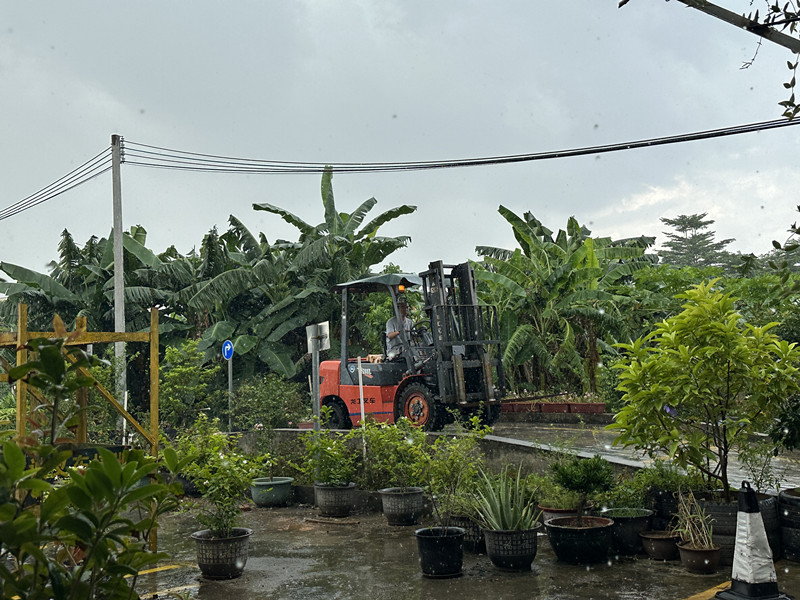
[145, 155]
[92, 168]
[154, 156]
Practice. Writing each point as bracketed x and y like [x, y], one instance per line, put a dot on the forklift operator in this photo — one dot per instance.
[394, 343]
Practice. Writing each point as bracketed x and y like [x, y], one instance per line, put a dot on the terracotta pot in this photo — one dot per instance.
[555, 407]
[587, 407]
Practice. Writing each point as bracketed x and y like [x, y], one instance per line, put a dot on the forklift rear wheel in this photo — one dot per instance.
[418, 406]
[338, 418]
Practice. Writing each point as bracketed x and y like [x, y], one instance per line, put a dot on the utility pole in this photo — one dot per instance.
[119, 269]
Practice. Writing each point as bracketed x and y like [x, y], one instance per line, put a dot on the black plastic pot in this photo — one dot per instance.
[628, 524]
[512, 550]
[789, 516]
[402, 505]
[222, 558]
[441, 551]
[587, 544]
[334, 500]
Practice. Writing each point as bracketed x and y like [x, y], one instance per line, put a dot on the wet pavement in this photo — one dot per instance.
[294, 554]
[593, 439]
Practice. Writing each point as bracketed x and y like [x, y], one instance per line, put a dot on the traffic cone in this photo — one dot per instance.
[753, 576]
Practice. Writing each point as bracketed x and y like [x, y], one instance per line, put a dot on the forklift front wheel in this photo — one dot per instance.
[338, 417]
[418, 406]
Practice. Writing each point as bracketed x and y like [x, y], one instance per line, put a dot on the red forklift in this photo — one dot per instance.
[449, 363]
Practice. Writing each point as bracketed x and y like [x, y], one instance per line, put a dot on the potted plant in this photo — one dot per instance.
[553, 500]
[222, 479]
[396, 458]
[510, 520]
[699, 553]
[269, 490]
[450, 473]
[581, 539]
[453, 473]
[625, 503]
[331, 464]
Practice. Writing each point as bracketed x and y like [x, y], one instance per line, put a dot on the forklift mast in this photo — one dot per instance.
[465, 336]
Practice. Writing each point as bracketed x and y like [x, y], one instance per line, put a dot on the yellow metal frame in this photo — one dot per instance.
[18, 339]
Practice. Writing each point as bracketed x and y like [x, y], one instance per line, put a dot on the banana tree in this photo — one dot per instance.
[555, 299]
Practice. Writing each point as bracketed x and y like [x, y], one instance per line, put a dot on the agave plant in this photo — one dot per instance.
[503, 503]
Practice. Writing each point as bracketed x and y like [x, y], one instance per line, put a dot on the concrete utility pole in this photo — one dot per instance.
[119, 269]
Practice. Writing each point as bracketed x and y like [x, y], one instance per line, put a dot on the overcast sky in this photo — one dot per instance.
[385, 81]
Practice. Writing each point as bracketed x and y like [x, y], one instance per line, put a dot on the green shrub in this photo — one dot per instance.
[584, 477]
[396, 455]
[186, 388]
[268, 400]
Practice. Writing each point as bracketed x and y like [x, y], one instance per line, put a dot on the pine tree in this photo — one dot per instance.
[692, 246]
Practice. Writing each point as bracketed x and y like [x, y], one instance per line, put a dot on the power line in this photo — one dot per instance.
[144, 155]
[167, 158]
[95, 166]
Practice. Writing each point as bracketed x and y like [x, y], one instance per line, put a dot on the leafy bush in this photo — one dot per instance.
[268, 400]
[396, 455]
[702, 383]
[329, 458]
[584, 477]
[221, 473]
[87, 537]
[186, 388]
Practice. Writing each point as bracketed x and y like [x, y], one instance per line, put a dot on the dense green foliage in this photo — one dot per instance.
[73, 532]
[557, 300]
[702, 382]
[503, 503]
[584, 477]
[221, 472]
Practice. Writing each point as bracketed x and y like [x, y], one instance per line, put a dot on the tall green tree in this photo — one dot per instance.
[691, 245]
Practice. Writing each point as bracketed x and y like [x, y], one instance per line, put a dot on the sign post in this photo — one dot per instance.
[318, 339]
[227, 354]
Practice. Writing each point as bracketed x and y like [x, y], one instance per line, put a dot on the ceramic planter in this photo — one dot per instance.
[222, 558]
[271, 491]
[334, 500]
[512, 550]
[441, 551]
[587, 544]
[628, 524]
[660, 545]
[702, 561]
[402, 505]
